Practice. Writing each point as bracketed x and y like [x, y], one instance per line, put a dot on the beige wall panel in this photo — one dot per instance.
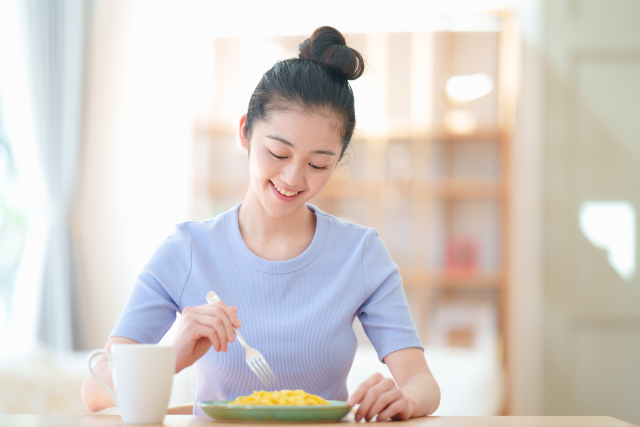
[592, 153]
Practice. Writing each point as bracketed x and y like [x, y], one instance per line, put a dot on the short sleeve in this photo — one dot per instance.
[385, 314]
[151, 308]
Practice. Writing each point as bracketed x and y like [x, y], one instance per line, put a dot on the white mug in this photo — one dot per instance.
[142, 378]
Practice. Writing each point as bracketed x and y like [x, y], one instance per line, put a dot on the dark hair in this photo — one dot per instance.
[318, 79]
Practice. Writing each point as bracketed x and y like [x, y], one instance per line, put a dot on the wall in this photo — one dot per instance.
[149, 73]
[591, 154]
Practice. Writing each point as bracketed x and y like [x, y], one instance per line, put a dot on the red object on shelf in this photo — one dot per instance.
[462, 254]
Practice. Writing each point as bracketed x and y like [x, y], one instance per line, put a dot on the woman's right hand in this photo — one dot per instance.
[201, 327]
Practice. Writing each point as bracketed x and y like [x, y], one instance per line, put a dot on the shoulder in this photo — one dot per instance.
[356, 242]
[339, 228]
[189, 234]
[208, 228]
[350, 235]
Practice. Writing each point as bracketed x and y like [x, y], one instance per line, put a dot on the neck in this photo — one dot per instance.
[258, 225]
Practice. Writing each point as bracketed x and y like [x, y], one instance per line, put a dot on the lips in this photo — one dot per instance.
[284, 197]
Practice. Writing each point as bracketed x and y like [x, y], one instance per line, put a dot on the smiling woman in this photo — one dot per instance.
[294, 276]
[293, 156]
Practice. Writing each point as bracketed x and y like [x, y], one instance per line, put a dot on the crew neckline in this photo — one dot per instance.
[287, 266]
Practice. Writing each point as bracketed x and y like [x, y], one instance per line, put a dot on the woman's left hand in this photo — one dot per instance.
[381, 396]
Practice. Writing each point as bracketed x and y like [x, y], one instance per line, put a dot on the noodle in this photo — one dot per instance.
[283, 397]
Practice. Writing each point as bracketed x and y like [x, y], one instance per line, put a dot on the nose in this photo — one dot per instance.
[293, 174]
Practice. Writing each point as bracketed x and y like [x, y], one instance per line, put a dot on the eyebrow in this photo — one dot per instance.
[284, 141]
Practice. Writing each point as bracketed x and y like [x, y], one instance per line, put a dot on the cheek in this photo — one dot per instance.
[256, 160]
[261, 165]
[320, 179]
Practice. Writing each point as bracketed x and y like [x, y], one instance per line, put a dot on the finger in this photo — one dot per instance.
[214, 326]
[358, 395]
[383, 385]
[398, 410]
[195, 331]
[229, 312]
[215, 341]
[233, 315]
[217, 319]
[383, 400]
[211, 307]
[223, 328]
[227, 325]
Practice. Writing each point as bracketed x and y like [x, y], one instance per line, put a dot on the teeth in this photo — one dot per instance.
[286, 193]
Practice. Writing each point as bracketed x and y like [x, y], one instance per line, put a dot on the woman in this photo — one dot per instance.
[297, 276]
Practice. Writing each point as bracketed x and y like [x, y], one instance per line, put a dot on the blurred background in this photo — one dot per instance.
[497, 152]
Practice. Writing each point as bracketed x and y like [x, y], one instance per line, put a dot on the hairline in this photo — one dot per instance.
[279, 105]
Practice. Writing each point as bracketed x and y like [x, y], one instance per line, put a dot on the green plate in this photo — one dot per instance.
[221, 410]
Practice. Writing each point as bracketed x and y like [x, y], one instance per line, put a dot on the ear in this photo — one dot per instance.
[244, 138]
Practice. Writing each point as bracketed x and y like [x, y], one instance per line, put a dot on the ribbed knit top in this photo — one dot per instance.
[298, 313]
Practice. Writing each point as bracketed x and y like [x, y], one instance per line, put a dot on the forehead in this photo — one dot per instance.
[300, 126]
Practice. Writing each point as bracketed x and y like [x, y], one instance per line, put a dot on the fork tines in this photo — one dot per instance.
[261, 368]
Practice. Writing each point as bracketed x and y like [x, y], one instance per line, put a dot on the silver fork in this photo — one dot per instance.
[256, 361]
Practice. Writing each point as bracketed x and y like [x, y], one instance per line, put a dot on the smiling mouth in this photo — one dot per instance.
[283, 191]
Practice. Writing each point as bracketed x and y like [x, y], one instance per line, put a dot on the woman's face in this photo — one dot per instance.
[292, 157]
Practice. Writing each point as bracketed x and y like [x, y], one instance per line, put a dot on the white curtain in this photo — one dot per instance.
[56, 40]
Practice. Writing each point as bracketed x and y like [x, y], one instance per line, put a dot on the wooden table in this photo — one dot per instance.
[204, 421]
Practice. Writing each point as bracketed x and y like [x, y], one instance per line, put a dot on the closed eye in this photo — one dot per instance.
[318, 168]
[277, 157]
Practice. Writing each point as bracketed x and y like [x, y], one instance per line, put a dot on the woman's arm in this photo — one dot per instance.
[94, 397]
[411, 372]
[201, 328]
[416, 394]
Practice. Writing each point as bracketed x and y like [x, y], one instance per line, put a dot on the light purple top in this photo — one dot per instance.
[298, 313]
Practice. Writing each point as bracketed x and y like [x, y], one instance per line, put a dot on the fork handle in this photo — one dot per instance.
[242, 341]
[212, 297]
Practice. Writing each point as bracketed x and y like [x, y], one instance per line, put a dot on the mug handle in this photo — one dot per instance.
[90, 357]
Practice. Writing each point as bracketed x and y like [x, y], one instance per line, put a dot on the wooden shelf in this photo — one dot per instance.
[480, 135]
[468, 189]
[444, 279]
[370, 136]
[364, 189]
[441, 189]
[408, 134]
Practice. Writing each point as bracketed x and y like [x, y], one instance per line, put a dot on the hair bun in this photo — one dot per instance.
[327, 47]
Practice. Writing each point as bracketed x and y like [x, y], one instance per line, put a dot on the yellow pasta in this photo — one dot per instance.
[282, 397]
